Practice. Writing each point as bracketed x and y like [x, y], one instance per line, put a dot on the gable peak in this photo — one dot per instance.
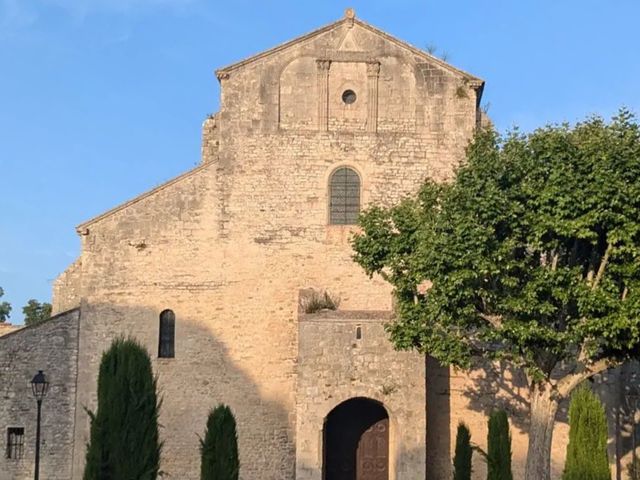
[349, 43]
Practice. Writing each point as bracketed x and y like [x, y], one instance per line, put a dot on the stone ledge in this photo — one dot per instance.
[347, 315]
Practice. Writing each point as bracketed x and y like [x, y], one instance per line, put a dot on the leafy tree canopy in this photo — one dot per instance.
[36, 312]
[5, 308]
[530, 255]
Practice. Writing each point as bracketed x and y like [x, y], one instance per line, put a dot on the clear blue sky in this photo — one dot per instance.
[101, 100]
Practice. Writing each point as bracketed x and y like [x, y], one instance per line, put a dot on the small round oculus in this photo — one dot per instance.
[349, 97]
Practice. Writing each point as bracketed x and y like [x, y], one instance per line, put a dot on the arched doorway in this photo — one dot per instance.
[356, 441]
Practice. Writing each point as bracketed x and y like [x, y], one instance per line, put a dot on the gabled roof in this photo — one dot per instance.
[82, 228]
[347, 19]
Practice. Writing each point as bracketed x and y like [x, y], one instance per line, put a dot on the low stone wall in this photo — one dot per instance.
[51, 346]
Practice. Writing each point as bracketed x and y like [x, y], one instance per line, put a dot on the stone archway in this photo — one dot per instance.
[356, 441]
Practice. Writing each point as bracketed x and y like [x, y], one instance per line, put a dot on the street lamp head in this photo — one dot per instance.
[39, 385]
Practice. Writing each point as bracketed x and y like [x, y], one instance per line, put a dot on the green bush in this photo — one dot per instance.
[123, 441]
[219, 448]
[499, 447]
[463, 455]
[587, 450]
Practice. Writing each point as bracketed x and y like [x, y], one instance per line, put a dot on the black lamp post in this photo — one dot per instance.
[39, 386]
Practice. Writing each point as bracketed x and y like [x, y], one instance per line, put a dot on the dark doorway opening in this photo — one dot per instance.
[356, 441]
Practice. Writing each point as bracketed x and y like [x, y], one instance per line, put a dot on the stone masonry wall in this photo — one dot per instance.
[66, 289]
[53, 347]
[334, 366]
[210, 139]
[228, 245]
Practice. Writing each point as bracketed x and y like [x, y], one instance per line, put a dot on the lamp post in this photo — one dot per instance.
[39, 386]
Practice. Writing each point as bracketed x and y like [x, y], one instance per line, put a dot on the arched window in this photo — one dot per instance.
[167, 336]
[344, 197]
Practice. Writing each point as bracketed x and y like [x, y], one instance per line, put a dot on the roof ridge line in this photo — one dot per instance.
[402, 43]
[52, 318]
[414, 49]
[281, 46]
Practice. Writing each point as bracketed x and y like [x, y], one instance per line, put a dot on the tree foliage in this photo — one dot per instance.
[499, 447]
[219, 448]
[463, 454]
[5, 308]
[36, 312]
[587, 450]
[530, 255]
[124, 442]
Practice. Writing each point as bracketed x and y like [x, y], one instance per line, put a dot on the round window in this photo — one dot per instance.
[349, 97]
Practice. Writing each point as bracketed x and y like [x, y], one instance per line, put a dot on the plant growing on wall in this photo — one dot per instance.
[530, 255]
[123, 441]
[587, 450]
[499, 447]
[318, 301]
[463, 454]
[219, 448]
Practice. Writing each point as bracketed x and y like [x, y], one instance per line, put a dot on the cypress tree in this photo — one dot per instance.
[124, 443]
[499, 447]
[587, 449]
[463, 455]
[219, 448]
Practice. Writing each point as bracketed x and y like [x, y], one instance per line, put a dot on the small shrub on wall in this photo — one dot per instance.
[318, 301]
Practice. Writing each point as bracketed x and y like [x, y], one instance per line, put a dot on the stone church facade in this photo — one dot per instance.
[214, 272]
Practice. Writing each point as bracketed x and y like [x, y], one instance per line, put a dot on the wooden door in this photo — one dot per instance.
[372, 457]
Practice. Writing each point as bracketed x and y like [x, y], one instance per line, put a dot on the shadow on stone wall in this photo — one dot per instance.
[492, 386]
[208, 370]
[619, 388]
[438, 453]
[203, 374]
[499, 386]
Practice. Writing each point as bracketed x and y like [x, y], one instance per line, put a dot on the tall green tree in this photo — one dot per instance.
[463, 455]
[124, 441]
[219, 448]
[5, 308]
[587, 450]
[499, 447]
[36, 312]
[530, 255]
